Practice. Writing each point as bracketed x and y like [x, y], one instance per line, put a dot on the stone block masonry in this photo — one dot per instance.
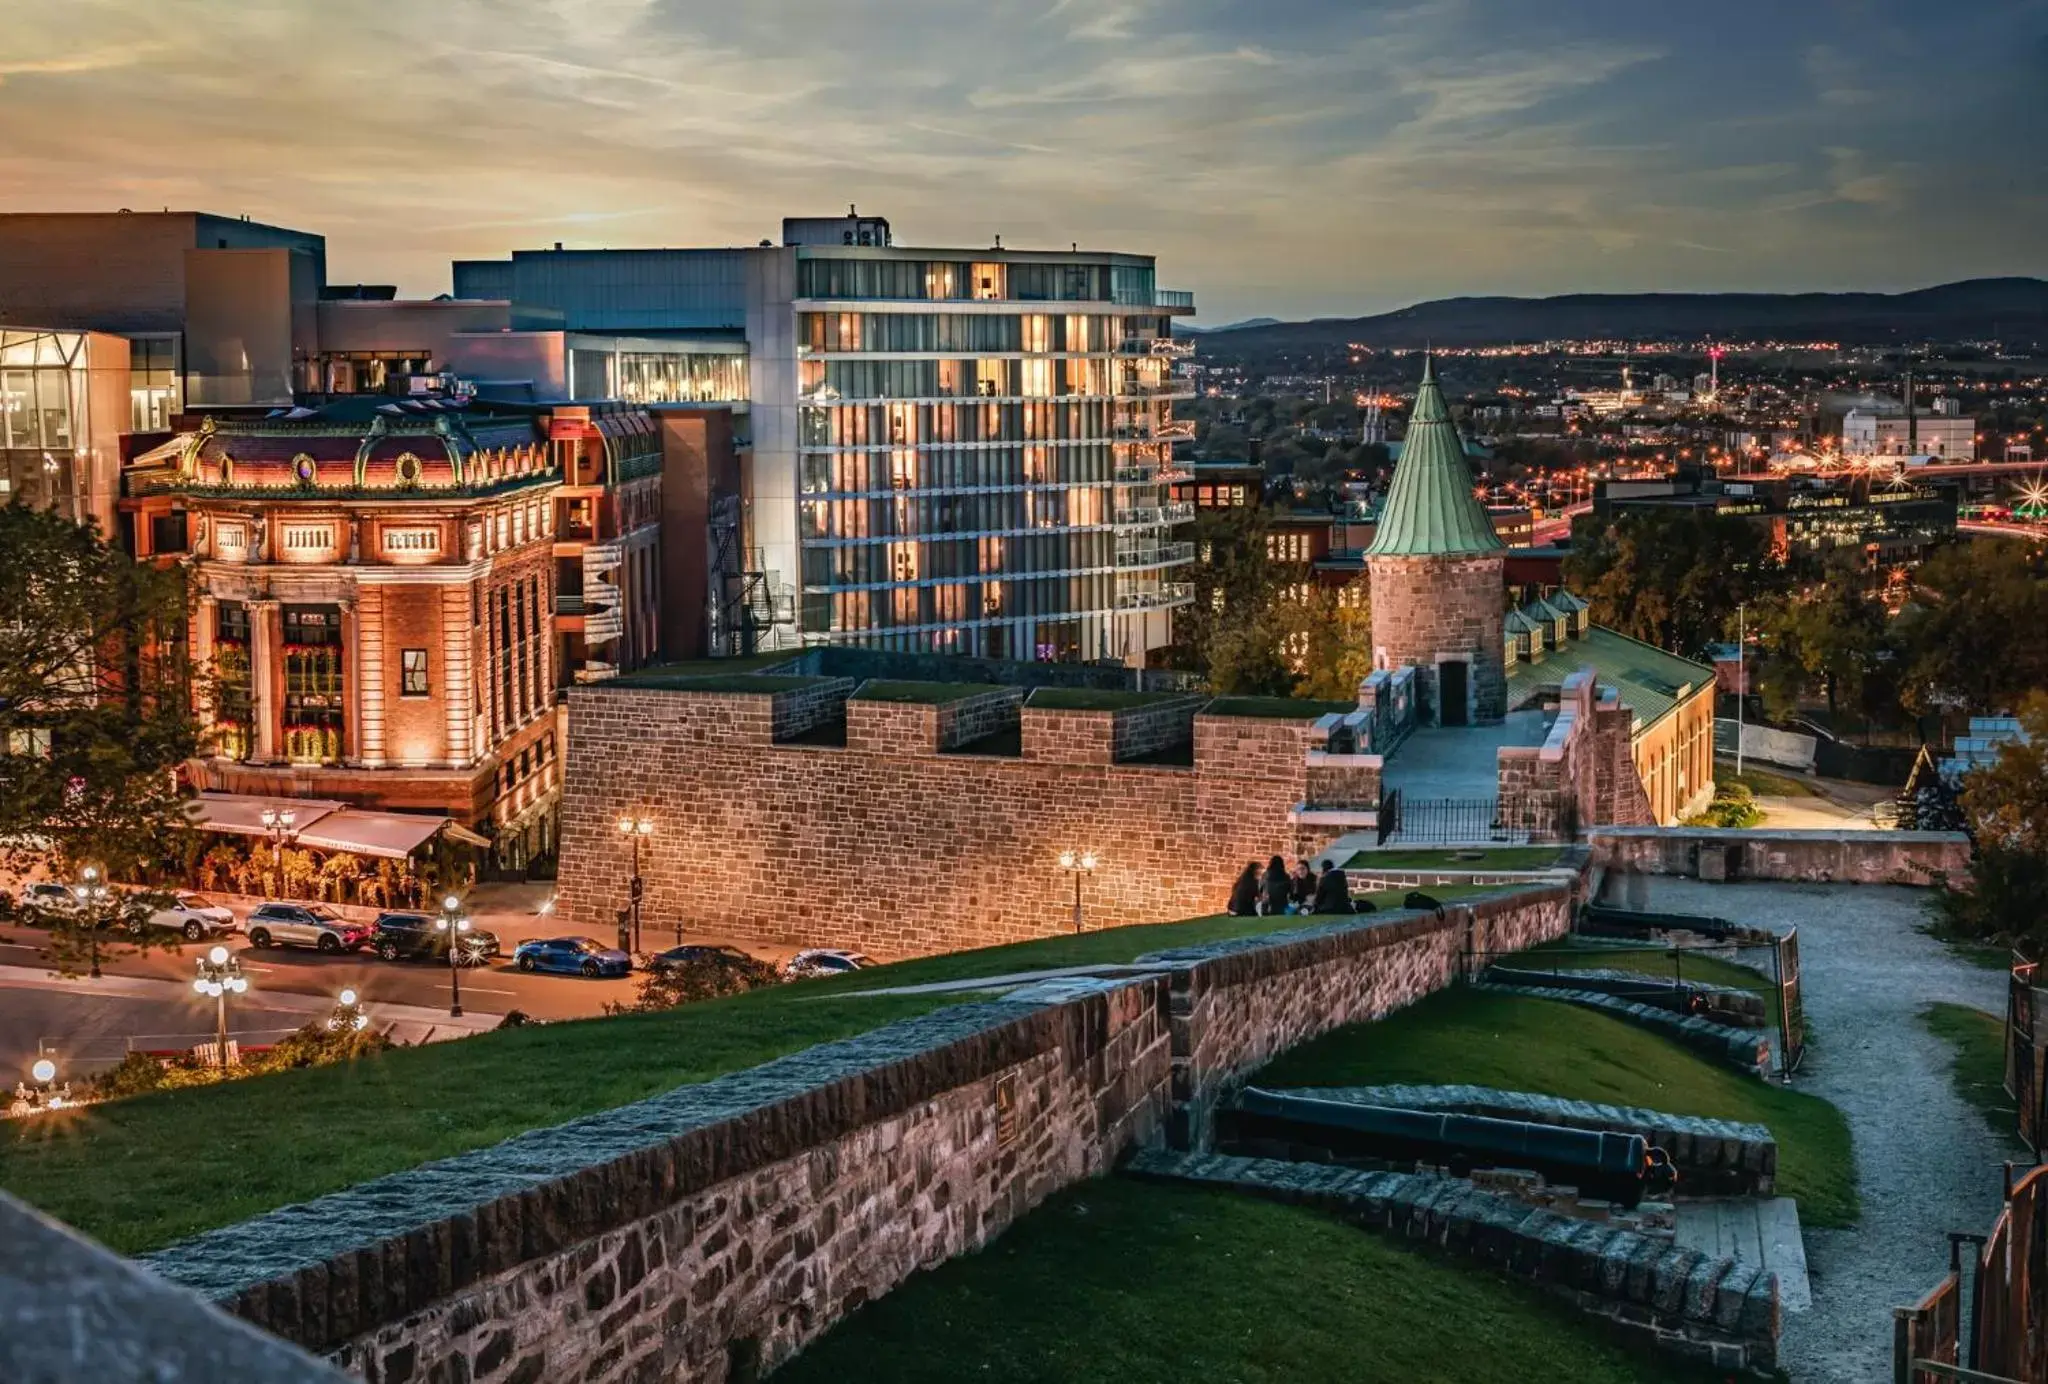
[714, 1229]
[889, 845]
[1722, 1311]
[1820, 857]
[1713, 1157]
[1744, 1049]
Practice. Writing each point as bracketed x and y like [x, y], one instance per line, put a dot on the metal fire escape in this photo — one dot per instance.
[746, 606]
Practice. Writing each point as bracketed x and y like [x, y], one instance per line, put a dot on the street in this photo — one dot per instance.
[147, 1002]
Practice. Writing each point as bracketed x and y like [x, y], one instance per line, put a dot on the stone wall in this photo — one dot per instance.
[894, 848]
[1147, 730]
[1238, 1006]
[972, 718]
[1424, 608]
[1836, 857]
[714, 1229]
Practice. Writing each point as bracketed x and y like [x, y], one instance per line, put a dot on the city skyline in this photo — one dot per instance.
[1292, 160]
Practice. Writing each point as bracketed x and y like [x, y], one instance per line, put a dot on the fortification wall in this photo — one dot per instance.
[1427, 608]
[1840, 857]
[712, 1231]
[892, 846]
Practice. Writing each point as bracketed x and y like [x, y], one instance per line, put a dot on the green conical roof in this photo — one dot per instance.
[1430, 509]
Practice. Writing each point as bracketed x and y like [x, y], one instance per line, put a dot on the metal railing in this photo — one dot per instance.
[1176, 346]
[1446, 822]
[1156, 516]
[1167, 593]
[1173, 297]
[1163, 555]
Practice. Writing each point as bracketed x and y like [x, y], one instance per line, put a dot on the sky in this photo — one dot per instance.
[1284, 158]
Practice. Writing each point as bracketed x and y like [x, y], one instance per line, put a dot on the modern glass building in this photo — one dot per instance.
[64, 402]
[961, 451]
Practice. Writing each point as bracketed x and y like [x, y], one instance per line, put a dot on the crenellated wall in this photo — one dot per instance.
[893, 844]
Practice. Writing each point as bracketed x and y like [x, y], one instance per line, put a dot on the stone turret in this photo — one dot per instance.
[1438, 602]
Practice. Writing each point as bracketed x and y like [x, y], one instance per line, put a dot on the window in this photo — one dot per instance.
[413, 673]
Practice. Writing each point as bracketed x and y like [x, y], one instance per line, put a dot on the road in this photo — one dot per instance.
[148, 997]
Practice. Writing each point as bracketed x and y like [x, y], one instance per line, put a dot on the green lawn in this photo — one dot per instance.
[140, 1173]
[1491, 858]
[1276, 708]
[1575, 954]
[721, 682]
[1517, 1044]
[1765, 782]
[713, 667]
[1978, 1067]
[933, 693]
[1094, 699]
[1140, 1283]
[1103, 947]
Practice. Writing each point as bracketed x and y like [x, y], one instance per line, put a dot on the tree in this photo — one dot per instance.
[2005, 810]
[702, 978]
[1332, 632]
[95, 712]
[1672, 577]
[1971, 635]
[1835, 636]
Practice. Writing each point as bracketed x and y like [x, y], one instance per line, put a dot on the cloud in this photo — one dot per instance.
[1298, 157]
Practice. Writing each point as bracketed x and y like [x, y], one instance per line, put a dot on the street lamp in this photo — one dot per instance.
[348, 1014]
[220, 975]
[281, 828]
[637, 829]
[92, 898]
[1077, 865]
[45, 1094]
[454, 924]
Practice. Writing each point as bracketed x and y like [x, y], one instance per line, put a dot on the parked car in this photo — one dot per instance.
[46, 898]
[193, 916]
[824, 961]
[695, 954]
[305, 925]
[414, 937]
[576, 956]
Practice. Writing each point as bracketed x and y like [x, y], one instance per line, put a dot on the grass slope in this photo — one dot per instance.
[140, 1173]
[1148, 1284]
[1574, 954]
[1978, 1068]
[1519, 1044]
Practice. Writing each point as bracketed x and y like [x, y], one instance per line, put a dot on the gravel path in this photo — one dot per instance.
[1926, 1163]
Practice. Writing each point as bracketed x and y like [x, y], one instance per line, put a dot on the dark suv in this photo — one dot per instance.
[414, 937]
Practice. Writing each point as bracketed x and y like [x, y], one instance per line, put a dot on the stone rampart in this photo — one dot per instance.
[709, 1232]
[889, 845]
[1831, 857]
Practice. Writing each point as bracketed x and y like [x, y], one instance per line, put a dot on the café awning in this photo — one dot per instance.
[329, 826]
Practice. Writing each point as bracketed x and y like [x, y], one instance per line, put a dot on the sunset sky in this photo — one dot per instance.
[1287, 158]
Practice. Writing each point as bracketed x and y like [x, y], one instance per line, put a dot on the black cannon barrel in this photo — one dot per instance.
[1599, 1163]
[1597, 915]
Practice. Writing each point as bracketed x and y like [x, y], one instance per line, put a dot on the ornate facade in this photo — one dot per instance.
[389, 595]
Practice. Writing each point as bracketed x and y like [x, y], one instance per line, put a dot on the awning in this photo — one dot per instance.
[324, 825]
[393, 834]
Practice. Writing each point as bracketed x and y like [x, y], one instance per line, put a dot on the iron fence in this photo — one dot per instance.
[1447, 822]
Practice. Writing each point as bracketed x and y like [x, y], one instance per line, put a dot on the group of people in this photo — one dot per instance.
[1300, 891]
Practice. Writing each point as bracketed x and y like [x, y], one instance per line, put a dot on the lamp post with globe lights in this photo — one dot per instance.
[91, 892]
[348, 1015]
[1077, 864]
[455, 925]
[280, 827]
[636, 829]
[220, 975]
[45, 1093]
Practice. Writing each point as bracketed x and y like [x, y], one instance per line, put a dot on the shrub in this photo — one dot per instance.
[707, 978]
[1733, 806]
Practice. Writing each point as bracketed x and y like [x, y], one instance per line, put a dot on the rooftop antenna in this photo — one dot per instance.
[850, 211]
[999, 240]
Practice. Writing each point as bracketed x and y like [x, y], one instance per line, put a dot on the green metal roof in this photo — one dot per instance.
[1650, 681]
[1430, 509]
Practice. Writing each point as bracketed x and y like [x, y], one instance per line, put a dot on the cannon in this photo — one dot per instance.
[1621, 1168]
[1599, 919]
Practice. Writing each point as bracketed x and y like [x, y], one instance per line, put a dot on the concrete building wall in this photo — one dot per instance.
[109, 273]
[772, 367]
[239, 330]
[1427, 610]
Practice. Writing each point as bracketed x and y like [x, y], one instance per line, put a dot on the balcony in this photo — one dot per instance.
[1175, 430]
[1176, 346]
[1155, 516]
[568, 603]
[1174, 298]
[1161, 597]
[1173, 388]
[1160, 555]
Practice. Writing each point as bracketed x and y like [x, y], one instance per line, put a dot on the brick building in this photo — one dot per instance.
[389, 595]
[1437, 579]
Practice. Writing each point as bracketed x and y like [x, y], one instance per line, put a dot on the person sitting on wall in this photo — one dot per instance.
[1244, 895]
[1273, 899]
[1301, 887]
[1333, 891]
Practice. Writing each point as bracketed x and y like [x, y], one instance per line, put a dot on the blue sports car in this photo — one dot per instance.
[576, 956]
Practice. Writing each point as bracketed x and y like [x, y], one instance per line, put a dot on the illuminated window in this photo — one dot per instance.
[413, 673]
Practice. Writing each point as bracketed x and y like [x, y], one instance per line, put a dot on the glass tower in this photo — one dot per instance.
[983, 445]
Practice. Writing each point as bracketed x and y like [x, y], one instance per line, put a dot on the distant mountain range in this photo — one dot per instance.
[2013, 310]
[1230, 326]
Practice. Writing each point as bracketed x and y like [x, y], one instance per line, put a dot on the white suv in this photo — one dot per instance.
[305, 925]
[192, 916]
[46, 899]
